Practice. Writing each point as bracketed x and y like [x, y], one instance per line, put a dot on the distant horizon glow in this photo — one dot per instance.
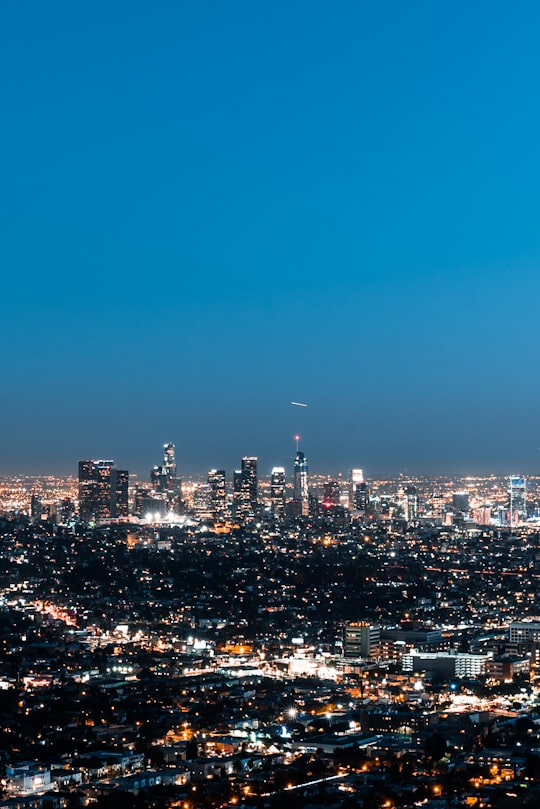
[340, 474]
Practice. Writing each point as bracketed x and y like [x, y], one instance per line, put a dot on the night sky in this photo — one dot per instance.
[209, 209]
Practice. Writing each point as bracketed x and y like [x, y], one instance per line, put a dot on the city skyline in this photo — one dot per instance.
[142, 469]
[211, 212]
[103, 492]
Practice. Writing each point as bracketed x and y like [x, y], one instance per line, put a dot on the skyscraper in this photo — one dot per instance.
[358, 497]
[245, 489]
[202, 502]
[331, 493]
[250, 483]
[409, 500]
[301, 491]
[119, 493]
[95, 490]
[437, 504]
[277, 491]
[361, 499]
[163, 478]
[237, 492]
[218, 493]
[460, 502]
[518, 499]
[36, 509]
[169, 461]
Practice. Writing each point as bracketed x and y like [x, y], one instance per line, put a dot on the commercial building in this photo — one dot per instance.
[218, 493]
[517, 492]
[524, 632]
[119, 493]
[446, 664]
[95, 490]
[331, 493]
[245, 489]
[361, 640]
[301, 491]
[163, 478]
[277, 492]
[358, 496]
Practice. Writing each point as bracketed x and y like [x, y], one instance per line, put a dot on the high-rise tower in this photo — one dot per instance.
[245, 489]
[409, 500]
[358, 497]
[331, 493]
[119, 493]
[218, 493]
[95, 490]
[277, 491]
[163, 478]
[517, 491]
[301, 492]
[169, 461]
[249, 482]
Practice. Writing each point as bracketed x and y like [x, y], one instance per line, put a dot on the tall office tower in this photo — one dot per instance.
[356, 477]
[36, 509]
[119, 493]
[482, 515]
[202, 501]
[437, 505]
[249, 484]
[410, 502]
[65, 511]
[460, 502]
[218, 493]
[95, 490]
[359, 496]
[301, 492]
[277, 491]
[169, 461]
[158, 479]
[362, 497]
[237, 492]
[518, 499]
[245, 489]
[331, 493]
[141, 493]
[163, 478]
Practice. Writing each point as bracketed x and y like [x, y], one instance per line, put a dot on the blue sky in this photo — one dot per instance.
[211, 209]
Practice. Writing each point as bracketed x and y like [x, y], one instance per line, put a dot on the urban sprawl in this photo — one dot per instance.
[268, 641]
